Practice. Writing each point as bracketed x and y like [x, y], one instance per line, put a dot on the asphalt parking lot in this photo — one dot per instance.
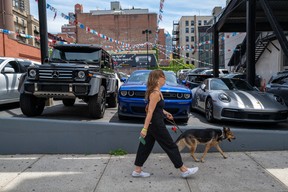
[78, 112]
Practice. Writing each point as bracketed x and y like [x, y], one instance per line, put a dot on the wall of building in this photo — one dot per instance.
[230, 44]
[124, 28]
[12, 48]
[192, 56]
[270, 63]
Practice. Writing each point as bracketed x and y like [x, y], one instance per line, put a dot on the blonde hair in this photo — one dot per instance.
[153, 81]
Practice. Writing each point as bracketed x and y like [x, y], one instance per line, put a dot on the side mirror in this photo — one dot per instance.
[203, 86]
[9, 70]
[123, 79]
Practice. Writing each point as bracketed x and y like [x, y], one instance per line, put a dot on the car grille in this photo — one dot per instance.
[78, 89]
[50, 74]
[254, 115]
[166, 95]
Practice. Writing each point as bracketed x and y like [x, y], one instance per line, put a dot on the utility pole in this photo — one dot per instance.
[43, 29]
[147, 32]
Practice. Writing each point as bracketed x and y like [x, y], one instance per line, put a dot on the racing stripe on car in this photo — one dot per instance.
[252, 100]
[239, 100]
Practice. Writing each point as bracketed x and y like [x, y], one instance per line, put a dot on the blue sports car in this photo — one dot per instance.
[131, 97]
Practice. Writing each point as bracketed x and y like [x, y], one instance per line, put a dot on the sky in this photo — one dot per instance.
[172, 10]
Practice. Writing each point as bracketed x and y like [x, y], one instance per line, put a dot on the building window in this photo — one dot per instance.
[205, 22]
[199, 22]
[192, 23]
[192, 29]
[187, 62]
[15, 3]
[17, 20]
[186, 23]
[192, 39]
[187, 38]
[187, 54]
[193, 62]
[187, 47]
[186, 30]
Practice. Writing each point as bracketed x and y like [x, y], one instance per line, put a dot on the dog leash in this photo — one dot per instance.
[174, 124]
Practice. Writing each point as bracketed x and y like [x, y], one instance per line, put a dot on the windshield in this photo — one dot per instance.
[1, 60]
[87, 55]
[281, 79]
[142, 76]
[230, 84]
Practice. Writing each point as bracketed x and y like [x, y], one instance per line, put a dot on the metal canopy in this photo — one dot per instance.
[233, 19]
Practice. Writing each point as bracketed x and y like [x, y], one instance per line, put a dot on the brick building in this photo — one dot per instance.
[124, 25]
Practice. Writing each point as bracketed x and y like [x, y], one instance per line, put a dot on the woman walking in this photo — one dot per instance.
[155, 129]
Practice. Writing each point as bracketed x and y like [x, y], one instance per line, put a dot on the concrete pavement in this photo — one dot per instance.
[257, 171]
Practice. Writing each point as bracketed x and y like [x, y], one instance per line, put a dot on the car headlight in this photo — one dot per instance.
[187, 96]
[179, 95]
[32, 73]
[123, 93]
[279, 99]
[131, 93]
[224, 98]
[81, 74]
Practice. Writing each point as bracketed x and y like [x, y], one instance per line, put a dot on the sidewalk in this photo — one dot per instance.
[241, 172]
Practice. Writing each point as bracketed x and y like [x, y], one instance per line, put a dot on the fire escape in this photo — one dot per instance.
[175, 40]
[238, 59]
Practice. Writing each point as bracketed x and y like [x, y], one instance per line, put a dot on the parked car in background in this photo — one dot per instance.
[242, 76]
[119, 76]
[11, 70]
[181, 74]
[222, 72]
[278, 85]
[193, 80]
[197, 70]
[131, 97]
[237, 100]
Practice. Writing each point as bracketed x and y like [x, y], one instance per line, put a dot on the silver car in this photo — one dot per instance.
[11, 70]
[236, 100]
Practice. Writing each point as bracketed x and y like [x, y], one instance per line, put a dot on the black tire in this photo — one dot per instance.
[97, 104]
[68, 102]
[30, 105]
[209, 110]
[112, 100]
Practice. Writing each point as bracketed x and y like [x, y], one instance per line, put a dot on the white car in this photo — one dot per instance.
[120, 75]
[11, 70]
[222, 72]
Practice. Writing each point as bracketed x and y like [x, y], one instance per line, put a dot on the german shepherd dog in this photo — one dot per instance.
[209, 137]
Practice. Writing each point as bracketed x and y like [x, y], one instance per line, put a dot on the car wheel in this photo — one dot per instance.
[112, 100]
[209, 110]
[97, 104]
[30, 105]
[68, 102]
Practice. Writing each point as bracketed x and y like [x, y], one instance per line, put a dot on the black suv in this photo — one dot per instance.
[72, 71]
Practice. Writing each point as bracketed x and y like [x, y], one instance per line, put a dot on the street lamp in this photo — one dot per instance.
[147, 32]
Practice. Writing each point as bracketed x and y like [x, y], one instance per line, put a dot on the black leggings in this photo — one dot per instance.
[162, 136]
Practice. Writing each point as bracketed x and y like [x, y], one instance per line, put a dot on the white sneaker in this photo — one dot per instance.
[141, 174]
[189, 172]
